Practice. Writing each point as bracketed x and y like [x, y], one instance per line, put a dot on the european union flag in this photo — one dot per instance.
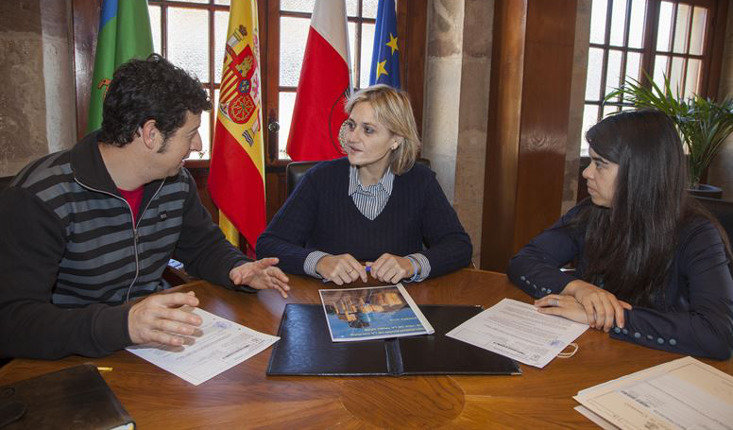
[385, 58]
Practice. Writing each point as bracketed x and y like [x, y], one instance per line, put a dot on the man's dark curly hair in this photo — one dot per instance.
[142, 90]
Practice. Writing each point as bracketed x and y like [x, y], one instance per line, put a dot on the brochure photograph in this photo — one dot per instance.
[372, 313]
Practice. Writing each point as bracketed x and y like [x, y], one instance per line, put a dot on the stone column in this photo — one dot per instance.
[577, 104]
[468, 198]
[443, 89]
[58, 74]
[37, 95]
[456, 102]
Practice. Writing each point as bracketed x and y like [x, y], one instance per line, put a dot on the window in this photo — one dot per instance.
[662, 38]
[192, 34]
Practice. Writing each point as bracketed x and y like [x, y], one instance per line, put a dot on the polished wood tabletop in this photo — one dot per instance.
[244, 397]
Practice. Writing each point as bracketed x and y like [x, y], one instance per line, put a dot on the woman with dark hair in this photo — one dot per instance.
[652, 266]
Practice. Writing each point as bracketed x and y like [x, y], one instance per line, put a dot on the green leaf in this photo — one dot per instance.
[703, 124]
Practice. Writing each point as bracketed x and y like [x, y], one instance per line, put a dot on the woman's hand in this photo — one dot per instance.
[563, 306]
[341, 269]
[391, 268]
[601, 307]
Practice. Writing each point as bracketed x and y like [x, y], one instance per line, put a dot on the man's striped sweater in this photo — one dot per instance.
[72, 260]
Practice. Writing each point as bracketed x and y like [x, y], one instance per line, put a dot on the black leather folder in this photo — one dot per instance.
[73, 398]
[305, 348]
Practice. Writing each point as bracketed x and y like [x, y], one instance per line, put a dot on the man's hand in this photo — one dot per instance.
[341, 269]
[391, 268]
[261, 275]
[158, 318]
[601, 307]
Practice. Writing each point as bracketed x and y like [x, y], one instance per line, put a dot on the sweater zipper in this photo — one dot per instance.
[135, 236]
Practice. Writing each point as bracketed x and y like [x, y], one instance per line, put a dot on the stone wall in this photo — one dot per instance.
[444, 59]
[37, 100]
[58, 73]
[468, 198]
[457, 80]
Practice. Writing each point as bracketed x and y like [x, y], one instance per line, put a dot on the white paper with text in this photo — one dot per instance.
[518, 331]
[222, 344]
[684, 393]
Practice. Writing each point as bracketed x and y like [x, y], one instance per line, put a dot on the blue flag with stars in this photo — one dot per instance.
[385, 57]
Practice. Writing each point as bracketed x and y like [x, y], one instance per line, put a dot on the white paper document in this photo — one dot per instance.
[682, 394]
[518, 331]
[597, 419]
[222, 344]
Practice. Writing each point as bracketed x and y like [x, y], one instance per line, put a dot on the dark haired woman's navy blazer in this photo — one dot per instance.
[693, 314]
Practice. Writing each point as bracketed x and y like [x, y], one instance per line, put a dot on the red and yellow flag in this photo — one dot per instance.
[237, 169]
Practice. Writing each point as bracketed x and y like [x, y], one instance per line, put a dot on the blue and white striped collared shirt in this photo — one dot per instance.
[370, 200]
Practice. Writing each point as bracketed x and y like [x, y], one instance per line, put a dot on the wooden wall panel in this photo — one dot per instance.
[548, 62]
[413, 16]
[502, 146]
[270, 60]
[716, 47]
[85, 16]
[276, 191]
[528, 123]
[200, 173]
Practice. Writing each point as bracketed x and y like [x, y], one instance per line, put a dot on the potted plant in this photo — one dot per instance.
[702, 123]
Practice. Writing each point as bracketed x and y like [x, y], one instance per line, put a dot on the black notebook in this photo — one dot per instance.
[72, 398]
[305, 348]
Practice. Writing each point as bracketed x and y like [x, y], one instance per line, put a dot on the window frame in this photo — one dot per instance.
[211, 85]
[717, 31]
[710, 58]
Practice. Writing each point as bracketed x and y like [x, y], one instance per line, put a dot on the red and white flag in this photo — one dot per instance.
[325, 82]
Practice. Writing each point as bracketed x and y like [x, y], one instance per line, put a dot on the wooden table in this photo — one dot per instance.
[244, 397]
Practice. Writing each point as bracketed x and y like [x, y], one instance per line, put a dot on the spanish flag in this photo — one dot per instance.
[237, 168]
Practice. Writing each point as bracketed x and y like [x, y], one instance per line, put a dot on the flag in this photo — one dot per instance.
[385, 58]
[237, 167]
[325, 82]
[124, 33]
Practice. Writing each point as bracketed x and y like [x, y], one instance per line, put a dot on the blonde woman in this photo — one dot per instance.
[373, 213]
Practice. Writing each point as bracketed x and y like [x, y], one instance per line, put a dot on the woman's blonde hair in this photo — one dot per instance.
[392, 108]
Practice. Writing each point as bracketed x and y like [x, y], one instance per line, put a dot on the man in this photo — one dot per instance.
[86, 233]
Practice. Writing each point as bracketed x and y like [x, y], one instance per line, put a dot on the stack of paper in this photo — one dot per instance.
[683, 393]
